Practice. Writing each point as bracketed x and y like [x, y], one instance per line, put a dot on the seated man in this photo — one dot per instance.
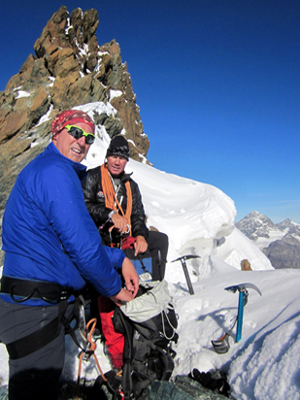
[114, 202]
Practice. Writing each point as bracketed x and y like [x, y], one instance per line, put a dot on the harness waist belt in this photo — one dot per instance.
[21, 290]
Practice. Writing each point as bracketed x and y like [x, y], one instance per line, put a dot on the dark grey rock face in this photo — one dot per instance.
[283, 253]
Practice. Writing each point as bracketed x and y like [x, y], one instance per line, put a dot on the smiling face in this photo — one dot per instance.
[68, 146]
[116, 165]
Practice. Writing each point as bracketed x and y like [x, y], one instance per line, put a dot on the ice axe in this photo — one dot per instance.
[185, 270]
[221, 345]
[243, 299]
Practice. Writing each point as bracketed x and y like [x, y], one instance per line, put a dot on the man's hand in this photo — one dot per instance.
[130, 276]
[140, 245]
[132, 284]
[122, 297]
[120, 223]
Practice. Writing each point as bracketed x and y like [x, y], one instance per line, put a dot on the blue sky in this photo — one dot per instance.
[217, 82]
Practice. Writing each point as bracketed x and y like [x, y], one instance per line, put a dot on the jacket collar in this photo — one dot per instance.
[80, 169]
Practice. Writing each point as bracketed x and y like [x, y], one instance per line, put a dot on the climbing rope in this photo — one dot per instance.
[89, 351]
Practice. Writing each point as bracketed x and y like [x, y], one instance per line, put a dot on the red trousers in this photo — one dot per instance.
[113, 339]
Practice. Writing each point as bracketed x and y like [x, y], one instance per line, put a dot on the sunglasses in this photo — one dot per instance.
[77, 133]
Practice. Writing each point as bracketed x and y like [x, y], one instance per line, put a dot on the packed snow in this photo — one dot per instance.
[199, 220]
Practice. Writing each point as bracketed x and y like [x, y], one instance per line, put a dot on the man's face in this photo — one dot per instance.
[116, 165]
[74, 149]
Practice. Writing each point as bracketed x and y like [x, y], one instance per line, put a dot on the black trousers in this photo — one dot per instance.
[35, 376]
[158, 244]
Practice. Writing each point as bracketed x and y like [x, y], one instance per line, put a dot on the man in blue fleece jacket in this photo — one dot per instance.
[52, 248]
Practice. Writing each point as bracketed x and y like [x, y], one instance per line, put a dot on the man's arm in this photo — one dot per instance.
[138, 218]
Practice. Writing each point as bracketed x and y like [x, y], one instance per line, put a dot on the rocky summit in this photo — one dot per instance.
[68, 69]
[256, 225]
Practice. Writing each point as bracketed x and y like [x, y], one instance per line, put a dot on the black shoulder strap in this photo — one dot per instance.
[127, 329]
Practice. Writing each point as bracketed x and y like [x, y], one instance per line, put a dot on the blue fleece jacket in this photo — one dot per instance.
[48, 234]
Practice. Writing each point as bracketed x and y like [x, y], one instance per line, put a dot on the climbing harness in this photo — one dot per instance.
[21, 290]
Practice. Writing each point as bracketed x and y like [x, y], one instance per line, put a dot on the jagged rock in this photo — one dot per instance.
[3, 393]
[183, 388]
[13, 122]
[113, 127]
[289, 226]
[69, 69]
[32, 74]
[245, 265]
[72, 69]
[53, 36]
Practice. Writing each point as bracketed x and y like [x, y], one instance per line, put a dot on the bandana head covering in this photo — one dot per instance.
[70, 117]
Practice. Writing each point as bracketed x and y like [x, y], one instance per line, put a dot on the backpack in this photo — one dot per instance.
[149, 325]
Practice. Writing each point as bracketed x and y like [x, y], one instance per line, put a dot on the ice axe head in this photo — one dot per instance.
[243, 288]
[186, 257]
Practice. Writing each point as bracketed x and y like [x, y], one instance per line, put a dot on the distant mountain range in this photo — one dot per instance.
[279, 242]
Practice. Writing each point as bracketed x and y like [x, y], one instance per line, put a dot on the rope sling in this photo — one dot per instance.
[110, 196]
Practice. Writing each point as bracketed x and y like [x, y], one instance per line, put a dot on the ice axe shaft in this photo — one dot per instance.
[185, 270]
[240, 316]
[187, 276]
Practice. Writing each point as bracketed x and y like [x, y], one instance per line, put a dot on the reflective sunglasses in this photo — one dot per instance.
[77, 133]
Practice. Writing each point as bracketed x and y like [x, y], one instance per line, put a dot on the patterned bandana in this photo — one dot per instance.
[70, 117]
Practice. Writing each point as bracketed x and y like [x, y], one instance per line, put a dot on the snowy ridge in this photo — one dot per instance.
[197, 217]
[232, 253]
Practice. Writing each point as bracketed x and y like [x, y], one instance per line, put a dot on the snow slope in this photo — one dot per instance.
[199, 219]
